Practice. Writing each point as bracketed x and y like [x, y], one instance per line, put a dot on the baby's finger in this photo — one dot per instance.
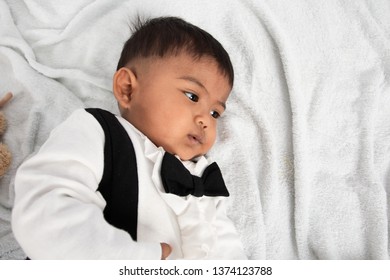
[165, 250]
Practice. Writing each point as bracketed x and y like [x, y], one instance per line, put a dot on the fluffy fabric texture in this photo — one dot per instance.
[305, 142]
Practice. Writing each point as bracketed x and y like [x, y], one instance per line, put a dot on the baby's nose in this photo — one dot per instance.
[201, 121]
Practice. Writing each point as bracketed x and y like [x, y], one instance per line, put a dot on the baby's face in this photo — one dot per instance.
[176, 102]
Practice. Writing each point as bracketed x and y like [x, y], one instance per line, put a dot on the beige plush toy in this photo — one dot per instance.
[5, 154]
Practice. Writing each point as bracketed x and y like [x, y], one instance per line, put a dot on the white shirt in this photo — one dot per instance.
[58, 212]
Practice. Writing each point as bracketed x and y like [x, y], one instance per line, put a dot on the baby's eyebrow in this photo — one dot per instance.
[197, 82]
[222, 104]
[193, 80]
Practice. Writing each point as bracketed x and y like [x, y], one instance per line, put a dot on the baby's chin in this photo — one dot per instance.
[193, 158]
[186, 156]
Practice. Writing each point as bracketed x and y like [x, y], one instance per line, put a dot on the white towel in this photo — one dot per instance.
[305, 142]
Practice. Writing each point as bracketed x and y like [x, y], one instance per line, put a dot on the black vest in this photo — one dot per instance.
[119, 184]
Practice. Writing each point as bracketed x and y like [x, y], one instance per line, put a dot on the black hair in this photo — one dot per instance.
[171, 35]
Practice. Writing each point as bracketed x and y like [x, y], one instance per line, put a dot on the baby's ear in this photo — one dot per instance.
[124, 83]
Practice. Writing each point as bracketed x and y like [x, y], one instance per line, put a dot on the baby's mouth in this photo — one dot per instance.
[196, 139]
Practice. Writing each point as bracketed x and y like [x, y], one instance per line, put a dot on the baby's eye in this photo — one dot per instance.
[192, 96]
[215, 114]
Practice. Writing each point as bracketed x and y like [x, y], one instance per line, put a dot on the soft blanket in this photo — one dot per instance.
[305, 142]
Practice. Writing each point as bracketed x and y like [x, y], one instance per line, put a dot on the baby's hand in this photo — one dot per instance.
[166, 250]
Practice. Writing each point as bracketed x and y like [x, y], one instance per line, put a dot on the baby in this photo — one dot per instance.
[73, 199]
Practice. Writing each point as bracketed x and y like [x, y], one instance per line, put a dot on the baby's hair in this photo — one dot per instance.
[165, 36]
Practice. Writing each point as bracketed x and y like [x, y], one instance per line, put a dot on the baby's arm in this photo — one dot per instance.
[57, 213]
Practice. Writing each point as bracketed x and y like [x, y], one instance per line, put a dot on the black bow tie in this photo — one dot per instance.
[178, 180]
